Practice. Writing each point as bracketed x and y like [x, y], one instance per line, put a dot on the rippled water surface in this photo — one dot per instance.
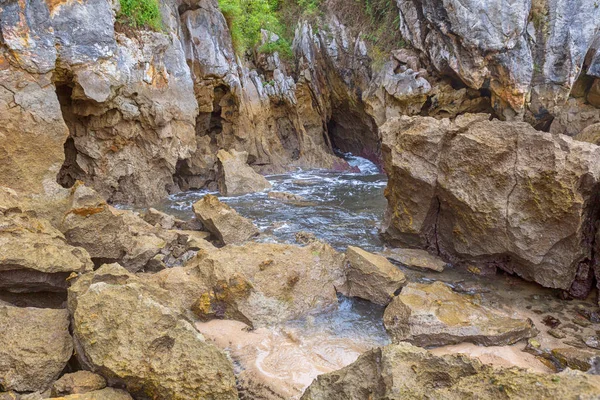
[343, 208]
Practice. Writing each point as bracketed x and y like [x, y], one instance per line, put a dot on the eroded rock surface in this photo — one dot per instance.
[371, 277]
[127, 331]
[494, 194]
[262, 284]
[403, 371]
[235, 177]
[35, 346]
[223, 221]
[434, 315]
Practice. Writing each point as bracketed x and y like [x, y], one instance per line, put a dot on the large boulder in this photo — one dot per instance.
[223, 221]
[35, 346]
[492, 193]
[109, 234]
[127, 331]
[34, 256]
[263, 284]
[434, 315]
[235, 177]
[371, 277]
[398, 372]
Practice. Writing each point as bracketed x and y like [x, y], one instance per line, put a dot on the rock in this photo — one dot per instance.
[223, 221]
[109, 234]
[263, 284]
[434, 315]
[128, 331]
[104, 394]
[235, 177]
[401, 371]
[415, 258]
[35, 346]
[77, 383]
[371, 277]
[523, 204]
[590, 134]
[161, 219]
[578, 359]
[303, 237]
[35, 256]
[557, 333]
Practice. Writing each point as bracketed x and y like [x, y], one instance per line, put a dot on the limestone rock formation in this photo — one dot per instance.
[416, 259]
[478, 43]
[398, 372]
[127, 331]
[109, 234]
[262, 284]
[103, 394]
[78, 383]
[34, 255]
[235, 177]
[371, 277]
[434, 315]
[493, 194]
[35, 346]
[223, 221]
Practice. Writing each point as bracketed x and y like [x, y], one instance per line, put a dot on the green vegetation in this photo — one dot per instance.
[140, 14]
[246, 18]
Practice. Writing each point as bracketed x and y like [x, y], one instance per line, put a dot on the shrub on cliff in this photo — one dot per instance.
[140, 14]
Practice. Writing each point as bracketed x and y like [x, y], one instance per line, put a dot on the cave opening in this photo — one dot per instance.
[198, 171]
[70, 171]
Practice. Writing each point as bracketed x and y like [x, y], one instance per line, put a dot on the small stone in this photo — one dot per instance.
[78, 382]
[416, 259]
[593, 342]
[550, 321]
[557, 333]
[581, 321]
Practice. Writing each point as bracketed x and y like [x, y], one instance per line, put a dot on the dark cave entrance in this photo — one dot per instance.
[70, 171]
[197, 172]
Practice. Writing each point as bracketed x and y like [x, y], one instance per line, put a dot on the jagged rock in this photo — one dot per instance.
[109, 234]
[477, 42]
[161, 219]
[223, 221]
[262, 284]
[128, 331]
[415, 258]
[33, 131]
[402, 371]
[371, 277]
[492, 194]
[578, 359]
[104, 394]
[35, 346]
[235, 177]
[78, 383]
[590, 134]
[574, 116]
[434, 315]
[34, 256]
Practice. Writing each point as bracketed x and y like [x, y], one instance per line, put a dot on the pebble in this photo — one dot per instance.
[557, 333]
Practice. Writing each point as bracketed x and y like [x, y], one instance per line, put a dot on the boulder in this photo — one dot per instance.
[35, 256]
[416, 259]
[434, 315]
[127, 331]
[223, 221]
[492, 194]
[371, 277]
[161, 219]
[263, 284]
[78, 383]
[103, 394]
[590, 134]
[109, 234]
[35, 346]
[235, 177]
[401, 371]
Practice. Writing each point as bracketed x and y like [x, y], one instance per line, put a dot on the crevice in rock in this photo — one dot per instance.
[70, 171]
